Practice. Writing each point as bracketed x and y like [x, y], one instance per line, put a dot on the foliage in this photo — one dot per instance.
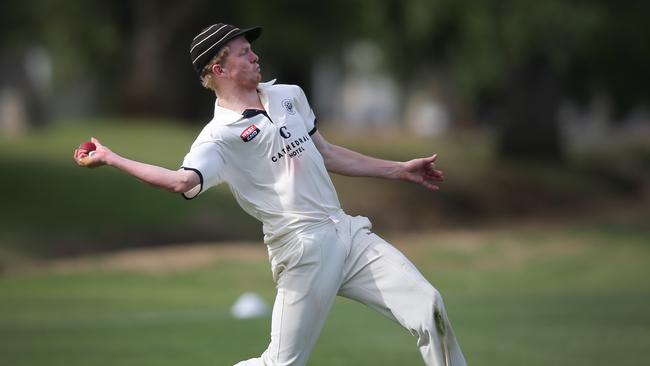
[592, 44]
[83, 37]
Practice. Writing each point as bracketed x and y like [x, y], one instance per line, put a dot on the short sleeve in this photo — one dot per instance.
[206, 159]
[306, 112]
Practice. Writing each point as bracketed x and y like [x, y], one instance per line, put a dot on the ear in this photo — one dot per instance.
[217, 69]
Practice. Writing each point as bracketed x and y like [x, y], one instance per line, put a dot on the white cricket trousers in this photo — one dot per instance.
[343, 257]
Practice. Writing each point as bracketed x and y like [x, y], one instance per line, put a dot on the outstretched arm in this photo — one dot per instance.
[177, 181]
[342, 161]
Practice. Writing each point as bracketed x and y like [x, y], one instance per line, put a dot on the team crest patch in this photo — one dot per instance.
[288, 106]
[250, 133]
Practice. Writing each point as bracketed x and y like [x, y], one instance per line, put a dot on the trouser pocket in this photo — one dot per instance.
[285, 257]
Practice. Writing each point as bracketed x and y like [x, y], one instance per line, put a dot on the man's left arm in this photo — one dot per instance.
[342, 161]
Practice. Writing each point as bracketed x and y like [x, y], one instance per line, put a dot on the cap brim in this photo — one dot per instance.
[251, 34]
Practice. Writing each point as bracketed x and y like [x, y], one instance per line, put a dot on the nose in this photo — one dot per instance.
[254, 57]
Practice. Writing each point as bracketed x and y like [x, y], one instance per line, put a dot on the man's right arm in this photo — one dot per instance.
[177, 181]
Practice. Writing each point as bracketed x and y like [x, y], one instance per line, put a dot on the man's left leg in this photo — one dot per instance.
[380, 276]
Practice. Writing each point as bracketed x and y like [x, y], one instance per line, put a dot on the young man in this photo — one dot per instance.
[264, 144]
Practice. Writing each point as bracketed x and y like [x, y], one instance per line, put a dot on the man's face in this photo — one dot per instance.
[242, 64]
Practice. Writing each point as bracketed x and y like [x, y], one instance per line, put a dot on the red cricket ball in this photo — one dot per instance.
[88, 146]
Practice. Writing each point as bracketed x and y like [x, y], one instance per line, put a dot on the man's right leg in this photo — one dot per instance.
[308, 274]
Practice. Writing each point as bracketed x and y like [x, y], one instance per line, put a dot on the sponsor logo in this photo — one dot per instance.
[284, 133]
[291, 149]
[250, 133]
[288, 106]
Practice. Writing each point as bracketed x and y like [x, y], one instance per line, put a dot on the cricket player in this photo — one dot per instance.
[263, 143]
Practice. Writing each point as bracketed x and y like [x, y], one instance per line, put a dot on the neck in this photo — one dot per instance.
[238, 100]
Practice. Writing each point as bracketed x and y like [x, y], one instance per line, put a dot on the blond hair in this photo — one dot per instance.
[207, 79]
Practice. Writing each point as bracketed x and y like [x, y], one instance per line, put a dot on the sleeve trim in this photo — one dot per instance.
[313, 130]
[201, 183]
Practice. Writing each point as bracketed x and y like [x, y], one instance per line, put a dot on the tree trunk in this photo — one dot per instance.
[153, 33]
[530, 129]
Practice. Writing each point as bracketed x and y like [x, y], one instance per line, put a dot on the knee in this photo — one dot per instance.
[432, 311]
[436, 317]
[434, 298]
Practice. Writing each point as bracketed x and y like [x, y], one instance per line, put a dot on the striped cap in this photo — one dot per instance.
[207, 44]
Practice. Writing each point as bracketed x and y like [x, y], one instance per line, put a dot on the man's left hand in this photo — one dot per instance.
[423, 171]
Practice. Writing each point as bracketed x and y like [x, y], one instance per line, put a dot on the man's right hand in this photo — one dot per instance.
[98, 158]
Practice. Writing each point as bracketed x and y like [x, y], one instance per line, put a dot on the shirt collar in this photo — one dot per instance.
[225, 115]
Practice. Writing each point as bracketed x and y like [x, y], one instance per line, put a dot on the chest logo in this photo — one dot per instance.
[250, 133]
[284, 132]
[288, 106]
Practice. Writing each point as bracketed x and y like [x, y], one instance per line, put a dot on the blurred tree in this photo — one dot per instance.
[153, 24]
[512, 60]
[76, 32]
[81, 38]
[516, 60]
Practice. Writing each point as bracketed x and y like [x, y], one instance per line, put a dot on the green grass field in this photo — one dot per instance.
[531, 296]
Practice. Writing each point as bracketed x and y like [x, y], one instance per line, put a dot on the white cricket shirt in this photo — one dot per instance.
[268, 160]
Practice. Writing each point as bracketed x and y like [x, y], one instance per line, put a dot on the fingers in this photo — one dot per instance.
[79, 153]
[82, 157]
[430, 186]
[95, 141]
[429, 182]
[434, 174]
[85, 161]
[430, 162]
